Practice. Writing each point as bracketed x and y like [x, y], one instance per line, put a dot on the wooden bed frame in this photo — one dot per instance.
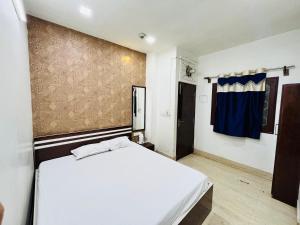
[55, 146]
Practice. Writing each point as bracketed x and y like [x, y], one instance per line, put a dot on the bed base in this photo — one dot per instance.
[55, 146]
[201, 210]
[196, 215]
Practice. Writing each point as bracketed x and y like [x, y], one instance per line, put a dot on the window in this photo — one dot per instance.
[269, 105]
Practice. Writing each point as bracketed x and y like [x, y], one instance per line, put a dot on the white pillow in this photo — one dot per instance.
[116, 143]
[91, 149]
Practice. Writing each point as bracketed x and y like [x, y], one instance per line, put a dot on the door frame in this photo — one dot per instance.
[176, 118]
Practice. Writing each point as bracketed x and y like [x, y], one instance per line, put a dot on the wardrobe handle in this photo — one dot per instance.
[179, 102]
[179, 88]
[179, 122]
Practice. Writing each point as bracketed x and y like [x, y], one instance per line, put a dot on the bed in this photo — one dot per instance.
[126, 186]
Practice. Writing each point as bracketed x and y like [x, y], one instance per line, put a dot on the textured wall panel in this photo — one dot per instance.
[79, 82]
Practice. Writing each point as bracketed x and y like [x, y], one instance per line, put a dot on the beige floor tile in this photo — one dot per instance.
[241, 198]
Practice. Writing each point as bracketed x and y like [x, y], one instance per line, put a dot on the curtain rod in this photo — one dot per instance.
[286, 72]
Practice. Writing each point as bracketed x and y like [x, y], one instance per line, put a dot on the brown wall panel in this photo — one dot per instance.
[79, 82]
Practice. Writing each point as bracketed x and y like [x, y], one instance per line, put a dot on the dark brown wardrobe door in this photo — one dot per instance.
[286, 175]
[185, 119]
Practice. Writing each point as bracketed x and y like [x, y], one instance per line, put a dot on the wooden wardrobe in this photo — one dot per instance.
[286, 176]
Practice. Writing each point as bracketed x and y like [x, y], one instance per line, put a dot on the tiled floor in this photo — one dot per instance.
[241, 198]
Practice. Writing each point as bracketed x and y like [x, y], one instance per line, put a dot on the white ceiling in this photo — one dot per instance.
[199, 26]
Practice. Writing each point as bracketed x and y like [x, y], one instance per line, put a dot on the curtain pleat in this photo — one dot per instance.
[239, 107]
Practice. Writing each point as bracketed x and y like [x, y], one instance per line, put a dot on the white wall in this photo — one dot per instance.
[16, 167]
[160, 83]
[162, 78]
[150, 96]
[274, 51]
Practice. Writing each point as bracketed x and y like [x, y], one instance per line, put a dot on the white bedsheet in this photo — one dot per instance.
[129, 186]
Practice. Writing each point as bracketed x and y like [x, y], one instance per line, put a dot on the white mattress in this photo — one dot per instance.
[128, 186]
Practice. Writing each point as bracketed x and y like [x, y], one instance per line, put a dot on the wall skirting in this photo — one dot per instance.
[233, 164]
[170, 157]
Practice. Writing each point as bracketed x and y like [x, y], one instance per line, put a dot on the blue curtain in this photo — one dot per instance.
[240, 102]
